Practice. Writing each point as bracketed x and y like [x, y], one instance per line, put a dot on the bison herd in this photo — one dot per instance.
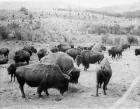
[56, 68]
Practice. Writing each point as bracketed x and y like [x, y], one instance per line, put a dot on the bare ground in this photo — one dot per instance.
[81, 95]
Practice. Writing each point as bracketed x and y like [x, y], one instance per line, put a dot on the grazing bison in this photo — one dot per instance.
[103, 75]
[137, 51]
[125, 46]
[115, 51]
[42, 76]
[65, 62]
[42, 53]
[3, 60]
[85, 48]
[89, 57]
[4, 51]
[12, 68]
[99, 47]
[54, 49]
[63, 47]
[73, 52]
[22, 56]
[30, 49]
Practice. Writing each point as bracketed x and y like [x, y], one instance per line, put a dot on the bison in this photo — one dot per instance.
[137, 51]
[12, 68]
[115, 51]
[103, 75]
[22, 56]
[42, 76]
[4, 51]
[125, 46]
[89, 57]
[42, 53]
[73, 52]
[65, 62]
[30, 49]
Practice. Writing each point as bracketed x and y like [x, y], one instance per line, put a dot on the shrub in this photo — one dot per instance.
[132, 40]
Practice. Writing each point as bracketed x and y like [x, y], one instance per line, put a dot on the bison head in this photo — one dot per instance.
[78, 60]
[33, 50]
[11, 69]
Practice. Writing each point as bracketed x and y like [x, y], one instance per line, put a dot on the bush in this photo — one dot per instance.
[4, 32]
[132, 40]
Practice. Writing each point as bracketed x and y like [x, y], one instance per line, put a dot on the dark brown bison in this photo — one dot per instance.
[85, 48]
[65, 62]
[4, 51]
[41, 53]
[137, 51]
[42, 76]
[12, 68]
[115, 51]
[89, 57]
[73, 52]
[54, 49]
[3, 60]
[30, 49]
[63, 47]
[103, 75]
[22, 56]
[125, 46]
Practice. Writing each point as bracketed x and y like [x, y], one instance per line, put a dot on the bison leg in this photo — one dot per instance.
[39, 90]
[11, 77]
[14, 77]
[21, 86]
[27, 61]
[46, 91]
[97, 86]
[105, 87]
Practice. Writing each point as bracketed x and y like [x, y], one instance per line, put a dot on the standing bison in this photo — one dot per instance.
[65, 62]
[42, 76]
[89, 57]
[137, 51]
[4, 51]
[115, 51]
[125, 46]
[73, 52]
[22, 56]
[42, 53]
[54, 49]
[30, 49]
[103, 75]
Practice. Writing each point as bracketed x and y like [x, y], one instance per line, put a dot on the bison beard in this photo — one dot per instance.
[43, 77]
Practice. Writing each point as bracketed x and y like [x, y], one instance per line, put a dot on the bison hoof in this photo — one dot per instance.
[39, 96]
[23, 96]
[97, 95]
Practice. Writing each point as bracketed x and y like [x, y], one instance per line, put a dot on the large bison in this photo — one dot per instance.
[73, 52]
[30, 49]
[137, 51]
[41, 53]
[125, 46]
[103, 75]
[89, 57]
[4, 51]
[22, 56]
[12, 68]
[65, 62]
[42, 76]
[115, 51]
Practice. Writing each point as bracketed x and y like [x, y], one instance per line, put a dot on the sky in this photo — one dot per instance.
[86, 3]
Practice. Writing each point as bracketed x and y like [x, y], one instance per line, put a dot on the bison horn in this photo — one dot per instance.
[66, 76]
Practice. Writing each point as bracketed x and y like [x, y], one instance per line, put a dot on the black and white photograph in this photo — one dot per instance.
[69, 54]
